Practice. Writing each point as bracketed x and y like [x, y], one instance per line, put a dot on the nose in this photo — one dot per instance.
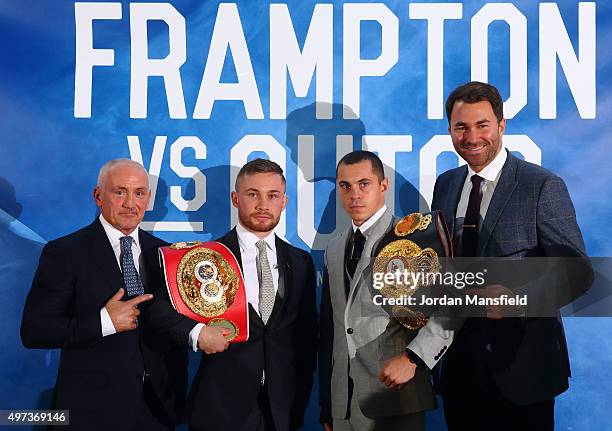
[261, 204]
[470, 135]
[355, 193]
[129, 200]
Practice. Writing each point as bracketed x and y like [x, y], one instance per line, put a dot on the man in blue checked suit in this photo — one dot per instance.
[503, 373]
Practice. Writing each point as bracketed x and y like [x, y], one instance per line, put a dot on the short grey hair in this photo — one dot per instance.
[111, 164]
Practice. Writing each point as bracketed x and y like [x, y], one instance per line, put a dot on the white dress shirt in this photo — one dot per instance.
[114, 236]
[369, 222]
[248, 255]
[490, 174]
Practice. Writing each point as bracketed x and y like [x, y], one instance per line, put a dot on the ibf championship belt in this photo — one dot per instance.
[205, 283]
[415, 247]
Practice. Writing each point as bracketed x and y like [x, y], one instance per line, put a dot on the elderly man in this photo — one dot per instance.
[89, 298]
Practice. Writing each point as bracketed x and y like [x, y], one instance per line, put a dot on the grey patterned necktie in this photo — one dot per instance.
[266, 284]
[133, 285]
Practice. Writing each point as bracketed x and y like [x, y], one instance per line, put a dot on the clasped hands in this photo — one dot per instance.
[501, 311]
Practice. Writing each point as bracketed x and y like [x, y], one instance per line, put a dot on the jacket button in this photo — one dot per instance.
[349, 331]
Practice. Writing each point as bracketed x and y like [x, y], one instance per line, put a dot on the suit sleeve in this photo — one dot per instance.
[163, 319]
[432, 340]
[566, 272]
[50, 320]
[307, 342]
[326, 330]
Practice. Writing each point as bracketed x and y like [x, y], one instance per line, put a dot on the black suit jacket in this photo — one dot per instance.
[227, 384]
[100, 378]
[530, 216]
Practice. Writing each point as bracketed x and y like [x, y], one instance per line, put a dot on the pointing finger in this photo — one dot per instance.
[140, 299]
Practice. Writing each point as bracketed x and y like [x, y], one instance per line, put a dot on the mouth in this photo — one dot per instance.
[262, 217]
[473, 148]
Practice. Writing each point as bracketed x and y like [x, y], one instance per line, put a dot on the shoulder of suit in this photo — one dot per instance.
[534, 172]
[341, 236]
[293, 249]
[448, 175]
[155, 241]
[72, 239]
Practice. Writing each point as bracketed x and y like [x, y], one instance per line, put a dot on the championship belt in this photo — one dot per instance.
[418, 244]
[205, 283]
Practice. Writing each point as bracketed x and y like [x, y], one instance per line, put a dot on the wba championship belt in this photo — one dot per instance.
[413, 252]
[205, 283]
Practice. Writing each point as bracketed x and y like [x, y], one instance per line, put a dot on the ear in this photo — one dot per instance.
[97, 195]
[502, 127]
[384, 185]
[234, 197]
[285, 200]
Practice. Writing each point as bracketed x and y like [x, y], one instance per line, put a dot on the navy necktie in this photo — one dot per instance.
[471, 222]
[133, 285]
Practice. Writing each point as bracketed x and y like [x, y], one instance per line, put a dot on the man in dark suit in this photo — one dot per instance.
[263, 384]
[88, 298]
[504, 371]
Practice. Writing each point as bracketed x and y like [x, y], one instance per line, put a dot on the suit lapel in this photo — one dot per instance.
[336, 261]
[451, 200]
[104, 257]
[146, 243]
[501, 196]
[375, 233]
[284, 279]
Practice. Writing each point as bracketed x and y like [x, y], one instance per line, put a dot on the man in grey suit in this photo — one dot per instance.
[368, 380]
[504, 373]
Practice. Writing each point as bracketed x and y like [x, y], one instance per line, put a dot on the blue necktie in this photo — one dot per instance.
[133, 285]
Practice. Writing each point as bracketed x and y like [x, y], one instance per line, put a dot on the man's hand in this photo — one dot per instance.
[398, 371]
[497, 312]
[327, 427]
[211, 339]
[124, 314]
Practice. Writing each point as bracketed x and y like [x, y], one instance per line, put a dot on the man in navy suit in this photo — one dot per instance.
[264, 383]
[89, 299]
[504, 373]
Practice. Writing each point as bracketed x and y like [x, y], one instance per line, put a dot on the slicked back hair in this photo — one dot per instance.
[474, 92]
[260, 166]
[359, 156]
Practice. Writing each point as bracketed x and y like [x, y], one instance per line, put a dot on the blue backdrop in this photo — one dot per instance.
[193, 89]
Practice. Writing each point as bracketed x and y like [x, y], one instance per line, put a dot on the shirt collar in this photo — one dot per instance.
[247, 239]
[492, 170]
[114, 235]
[369, 222]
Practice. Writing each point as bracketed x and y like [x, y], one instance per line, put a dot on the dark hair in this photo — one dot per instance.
[359, 156]
[260, 166]
[474, 92]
